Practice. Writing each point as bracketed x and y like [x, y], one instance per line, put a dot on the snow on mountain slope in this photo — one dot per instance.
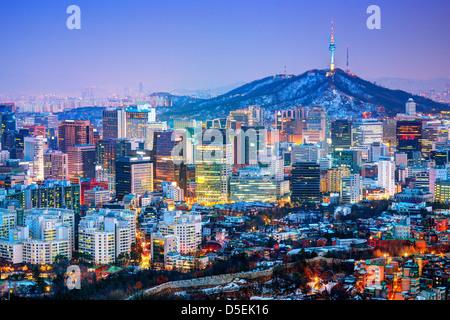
[344, 96]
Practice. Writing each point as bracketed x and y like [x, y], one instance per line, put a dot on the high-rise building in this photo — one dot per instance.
[105, 235]
[114, 123]
[250, 144]
[51, 194]
[442, 191]
[305, 152]
[186, 226]
[81, 160]
[90, 184]
[317, 125]
[166, 168]
[9, 122]
[56, 165]
[48, 233]
[350, 191]
[422, 180]
[347, 158]
[74, 132]
[433, 133]
[134, 175]
[7, 221]
[161, 246]
[253, 184]
[137, 120]
[305, 183]
[172, 191]
[410, 107]
[367, 131]
[35, 220]
[213, 168]
[273, 164]
[36, 130]
[244, 116]
[252, 116]
[401, 158]
[34, 152]
[341, 134]
[107, 152]
[409, 137]
[389, 132]
[291, 121]
[334, 178]
[20, 138]
[440, 156]
[386, 175]
[377, 150]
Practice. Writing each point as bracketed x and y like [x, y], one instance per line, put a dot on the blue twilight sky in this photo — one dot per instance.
[194, 44]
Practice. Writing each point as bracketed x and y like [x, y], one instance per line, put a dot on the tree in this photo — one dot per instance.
[122, 258]
[60, 259]
[271, 242]
[60, 266]
[338, 292]
[40, 282]
[136, 252]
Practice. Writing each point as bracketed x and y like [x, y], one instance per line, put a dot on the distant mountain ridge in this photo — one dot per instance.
[343, 95]
[413, 85]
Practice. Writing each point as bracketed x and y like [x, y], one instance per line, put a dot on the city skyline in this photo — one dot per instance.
[201, 44]
[230, 153]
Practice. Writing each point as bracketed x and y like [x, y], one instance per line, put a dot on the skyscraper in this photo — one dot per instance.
[213, 168]
[334, 178]
[350, 190]
[305, 152]
[410, 107]
[74, 132]
[165, 168]
[250, 144]
[367, 131]
[8, 121]
[134, 175]
[34, 152]
[137, 120]
[114, 123]
[341, 134]
[347, 158]
[56, 165]
[386, 175]
[253, 184]
[81, 160]
[305, 183]
[107, 152]
[409, 137]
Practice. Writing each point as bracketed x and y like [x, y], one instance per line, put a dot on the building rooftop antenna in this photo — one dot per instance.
[348, 69]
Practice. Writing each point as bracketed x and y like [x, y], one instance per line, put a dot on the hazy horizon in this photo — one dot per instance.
[173, 45]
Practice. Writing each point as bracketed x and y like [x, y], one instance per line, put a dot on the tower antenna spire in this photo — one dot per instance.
[332, 47]
[332, 31]
[348, 69]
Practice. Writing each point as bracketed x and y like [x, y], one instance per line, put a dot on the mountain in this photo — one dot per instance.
[207, 93]
[344, 96]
